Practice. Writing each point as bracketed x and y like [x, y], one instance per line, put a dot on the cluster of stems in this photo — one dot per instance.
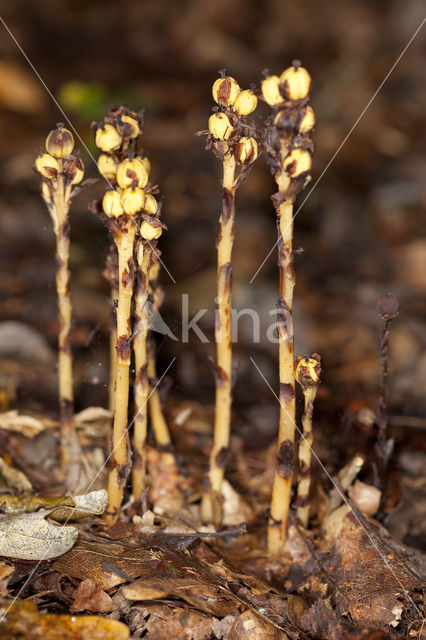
[232, 140]
[61, 171]
[308, 371]
[288, 148]
[131, 214]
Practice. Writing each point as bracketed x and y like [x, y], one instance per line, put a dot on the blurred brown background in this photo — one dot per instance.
[362, 228]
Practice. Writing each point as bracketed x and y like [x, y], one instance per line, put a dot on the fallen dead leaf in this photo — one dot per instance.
[88, 597]
[29, 536]
[23, 620]
[26, 425]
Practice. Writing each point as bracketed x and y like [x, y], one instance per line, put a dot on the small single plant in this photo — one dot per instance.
[388, 308]
[156, 414]
[288, 148]
[308, 372]
[60, 171]
[231, 140]
[127, 175]
[151, 230]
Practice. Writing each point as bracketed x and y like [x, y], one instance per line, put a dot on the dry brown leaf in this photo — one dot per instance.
[23, 620]
[248, 626]
[376, 560]
[156, 621]
[88, 597]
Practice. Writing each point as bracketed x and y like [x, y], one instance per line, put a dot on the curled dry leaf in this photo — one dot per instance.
[29, 536]
[61, 508]
[14, 478]
[26, 425]
[248, 626]
[88, 597]
[23, 620]
[162, 621]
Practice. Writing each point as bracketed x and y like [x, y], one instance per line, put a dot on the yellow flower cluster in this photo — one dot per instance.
[127, 175]
[58, 160]
[287, 94]
[227, 93]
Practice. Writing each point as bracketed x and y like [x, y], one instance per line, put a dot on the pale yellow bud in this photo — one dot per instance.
[219, 126]
[151, 204]
[47, 166]
[60, 142]
[308, 371]
[111, 204]
[149, 232]
[145, 162]
[132, 200]
[132, 173]
[107, 138]
[225, 91]
[296, 83]
[73, 170]
[107, 166]
[271, 91]
[128, 127]
[245, 103]
[246, 150]
[308, 121]
[297, 162]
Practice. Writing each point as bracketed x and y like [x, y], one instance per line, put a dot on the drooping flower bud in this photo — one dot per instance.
[225, 91]
[60, 142]
[128, 127]
[73, 170]
[271, 91]
[245, 103]
[246, 150]
[151, 204]
[107, 138]
[107, 166]
[47, 166]
[220, 126]
[132, 200]
[111, 204]
[132, 173]
[150, 232]
[296, 83]
[308, 371]
[307, 122]
[297, 162]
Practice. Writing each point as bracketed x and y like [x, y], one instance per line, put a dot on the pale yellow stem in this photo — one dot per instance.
[159, 424]
[211, 503]
[119, 459]
[143, 257]
[305, 453]
[69, 450]
[112, 354]
[280, 502]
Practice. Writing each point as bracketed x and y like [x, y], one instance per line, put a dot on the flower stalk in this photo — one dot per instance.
[308, 371]
[232, 141]
[60, 171]
[156, 414]
[111, 275]
[289, 149]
